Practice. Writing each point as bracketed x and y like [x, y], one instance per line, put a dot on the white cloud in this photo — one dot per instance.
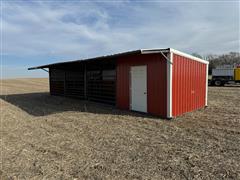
[42, 28]
[81, 29]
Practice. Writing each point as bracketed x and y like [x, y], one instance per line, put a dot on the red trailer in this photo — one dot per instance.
[162, 82]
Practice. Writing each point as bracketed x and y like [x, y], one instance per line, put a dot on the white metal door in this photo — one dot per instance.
[138, 88]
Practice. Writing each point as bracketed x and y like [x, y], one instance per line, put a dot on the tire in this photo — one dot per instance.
[209, 83]
[218, 83]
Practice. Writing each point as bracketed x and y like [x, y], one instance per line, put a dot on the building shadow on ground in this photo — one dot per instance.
[43, 104]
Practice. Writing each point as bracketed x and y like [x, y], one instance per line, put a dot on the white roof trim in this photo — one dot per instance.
[188, 56]
[206, 95]
[157, 50]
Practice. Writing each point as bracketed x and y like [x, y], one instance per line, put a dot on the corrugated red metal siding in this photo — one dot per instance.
[156, 82]
[188, 86]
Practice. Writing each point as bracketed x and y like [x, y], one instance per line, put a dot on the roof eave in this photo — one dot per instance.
[140, 51]
[88, 59]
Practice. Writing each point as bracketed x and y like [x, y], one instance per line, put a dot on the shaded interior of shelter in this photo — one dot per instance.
[88, 80]
[43, 104]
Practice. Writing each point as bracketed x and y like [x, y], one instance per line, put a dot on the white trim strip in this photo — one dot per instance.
[188, 56]
[206, 96]
[169, 85]
[153, 51]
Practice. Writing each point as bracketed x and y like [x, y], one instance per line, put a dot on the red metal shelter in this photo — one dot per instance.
[162, 82]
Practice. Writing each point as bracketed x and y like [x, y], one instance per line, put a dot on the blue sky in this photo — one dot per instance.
[42, 32]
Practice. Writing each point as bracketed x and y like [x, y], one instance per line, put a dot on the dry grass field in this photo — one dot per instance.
[47, 137]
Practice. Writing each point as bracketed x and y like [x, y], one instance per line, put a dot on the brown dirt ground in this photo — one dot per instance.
[51, 137]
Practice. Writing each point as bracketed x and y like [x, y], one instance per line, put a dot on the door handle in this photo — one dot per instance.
[145, 93]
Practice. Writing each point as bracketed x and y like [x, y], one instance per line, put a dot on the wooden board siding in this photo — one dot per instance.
[57, 80]
[74, 84]
[101, 88]
[92, 81]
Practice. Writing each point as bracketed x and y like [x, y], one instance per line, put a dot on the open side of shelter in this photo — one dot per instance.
[86, 80]
[162, 82]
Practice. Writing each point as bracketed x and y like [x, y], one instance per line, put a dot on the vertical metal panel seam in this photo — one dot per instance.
[181, 85]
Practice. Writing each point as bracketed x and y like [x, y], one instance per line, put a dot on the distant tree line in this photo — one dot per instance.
[218, 60]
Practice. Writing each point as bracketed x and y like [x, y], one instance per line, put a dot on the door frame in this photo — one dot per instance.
[130, 87]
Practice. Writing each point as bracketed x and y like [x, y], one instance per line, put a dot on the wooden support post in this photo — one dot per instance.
[85, 81]
[50, 81]
[64, 83]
